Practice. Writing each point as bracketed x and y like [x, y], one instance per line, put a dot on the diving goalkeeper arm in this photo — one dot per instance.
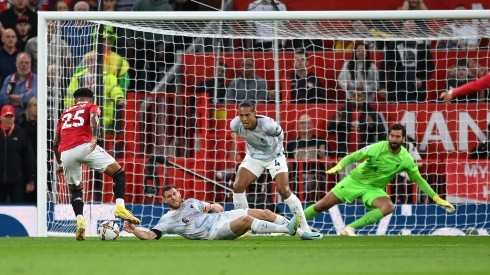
[425, 187]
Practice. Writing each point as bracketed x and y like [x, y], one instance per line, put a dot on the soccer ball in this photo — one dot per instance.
[108, 230]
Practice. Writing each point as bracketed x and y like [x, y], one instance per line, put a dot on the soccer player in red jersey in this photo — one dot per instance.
[75, 143]
[468, 88]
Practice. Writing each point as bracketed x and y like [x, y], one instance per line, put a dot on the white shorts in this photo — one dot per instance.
[257, 167]
[73, 159]
[221, 228]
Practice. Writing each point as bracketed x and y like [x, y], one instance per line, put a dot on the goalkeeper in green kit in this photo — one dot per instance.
[381, 161]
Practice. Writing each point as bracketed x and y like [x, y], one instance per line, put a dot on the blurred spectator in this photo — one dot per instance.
[464, 32]
[10, 17]
[4, 5]
[23, 29]
[407, 66]
[416, 5]
[109, 5]
[467, 89]
[114, 97]
[476, 68]
[28, 122]
[446, 41]
[265, 28]
[124, 5]
[361, 30]
[306, 87]
[34, 5]
[247, 86]
[306, 44]
[61, 5]
[57, 50]
[93, 5]
[20, 87]
[55, 92]
[78, 34]
[356, 124]
[8, 53]
[17, 162]
[460, 75]
[215, 86]
[413, 5]
[360, 73]
[308, 147]
[145, 44]
[113, 63]
[186, 5]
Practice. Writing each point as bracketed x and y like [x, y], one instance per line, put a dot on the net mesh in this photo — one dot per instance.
[167, 122]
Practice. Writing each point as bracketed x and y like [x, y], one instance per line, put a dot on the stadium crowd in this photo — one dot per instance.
[137, 61]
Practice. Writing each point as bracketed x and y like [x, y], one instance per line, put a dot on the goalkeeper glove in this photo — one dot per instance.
[444, 204]
[334, 170]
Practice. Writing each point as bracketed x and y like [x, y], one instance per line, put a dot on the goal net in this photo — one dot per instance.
[169, 84]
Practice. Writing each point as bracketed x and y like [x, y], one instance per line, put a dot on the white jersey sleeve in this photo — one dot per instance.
[188, 221]
[265, 142]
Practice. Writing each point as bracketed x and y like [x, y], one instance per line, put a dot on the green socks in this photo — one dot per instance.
[369, 218]
[310, 212]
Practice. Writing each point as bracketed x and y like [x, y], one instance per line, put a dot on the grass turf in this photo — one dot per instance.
[248, 255]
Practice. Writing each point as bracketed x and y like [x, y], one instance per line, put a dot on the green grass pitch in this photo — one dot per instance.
[248, 255]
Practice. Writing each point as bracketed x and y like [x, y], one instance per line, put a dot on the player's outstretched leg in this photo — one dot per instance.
[293, 224]
[123, 213]
[119, 179]
[304, 230]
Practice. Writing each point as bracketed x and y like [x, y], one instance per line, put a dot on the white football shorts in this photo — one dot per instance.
[257, 167]
[221, 228]
[73, 159]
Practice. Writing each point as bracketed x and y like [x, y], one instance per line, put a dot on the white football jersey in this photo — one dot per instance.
[265, 142]
[188, 221]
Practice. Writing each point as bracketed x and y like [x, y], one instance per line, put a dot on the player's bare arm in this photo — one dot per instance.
[94, 125]
[57, 153]
[141, 234]
[213, 208]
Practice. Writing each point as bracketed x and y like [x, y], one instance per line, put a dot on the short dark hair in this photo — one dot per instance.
[462, 63]
[167, 188]
[83, 92]
[301, 51]
[398, 126]
[247, 103]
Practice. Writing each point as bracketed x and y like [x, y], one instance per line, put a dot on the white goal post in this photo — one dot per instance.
[175, 135]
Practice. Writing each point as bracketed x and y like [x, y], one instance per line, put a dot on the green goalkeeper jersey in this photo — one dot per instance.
[379, 166]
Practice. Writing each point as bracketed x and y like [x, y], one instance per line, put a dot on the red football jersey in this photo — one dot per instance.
[473, 86]
[74, 125]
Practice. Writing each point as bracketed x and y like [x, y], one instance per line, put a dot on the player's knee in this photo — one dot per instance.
[269, 215]
[387, 208]
[239, 187]
[246, 220]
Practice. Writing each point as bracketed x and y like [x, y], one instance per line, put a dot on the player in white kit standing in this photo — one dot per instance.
[75, 143]
[264, 140]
